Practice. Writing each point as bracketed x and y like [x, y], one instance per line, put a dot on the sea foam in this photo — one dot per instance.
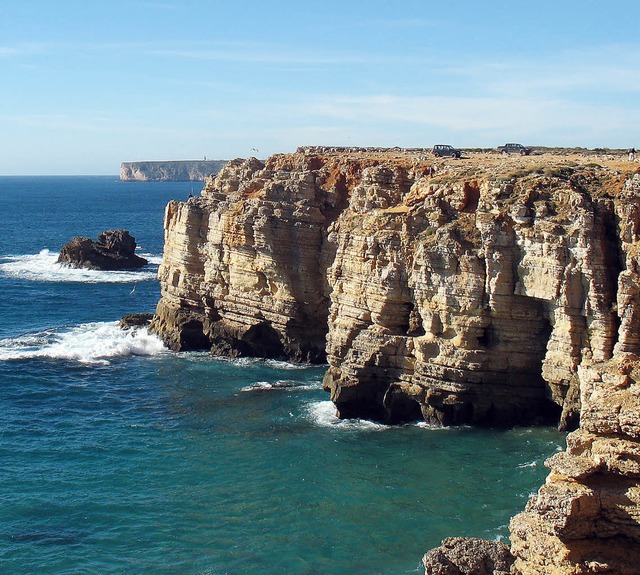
[92, 343]
[323, 413]
[43, 267]
[281, 384]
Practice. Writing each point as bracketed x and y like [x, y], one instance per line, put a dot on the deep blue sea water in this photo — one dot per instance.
[120, 457]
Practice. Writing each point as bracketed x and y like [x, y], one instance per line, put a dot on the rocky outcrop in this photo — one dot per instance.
[170, 171]
[114, 250]
[444, 297]
[485, 291]
[244, 265]
[586, 518]
[468, 556]
[134, 320]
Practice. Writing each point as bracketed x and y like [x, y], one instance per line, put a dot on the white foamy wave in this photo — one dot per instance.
[529, 464]
[273, 363]
[86, 343]
[437, 426]
[43, 266]
[152, 259]
[323, 413]
[278, 385]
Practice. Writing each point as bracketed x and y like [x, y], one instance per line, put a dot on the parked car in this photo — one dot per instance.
[514, 149]
[440, 150]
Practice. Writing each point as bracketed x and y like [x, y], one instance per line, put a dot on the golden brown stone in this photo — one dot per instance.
[483, 290]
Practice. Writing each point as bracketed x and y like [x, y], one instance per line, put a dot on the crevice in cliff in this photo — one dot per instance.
[614, 258]
[414, 327]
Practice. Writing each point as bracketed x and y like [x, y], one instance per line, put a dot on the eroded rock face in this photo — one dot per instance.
[586, 518]
[441, 297]
[244, 268]
[474, 301]
[114, 250]
[462, 294]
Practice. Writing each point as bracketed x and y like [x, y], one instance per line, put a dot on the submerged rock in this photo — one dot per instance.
[114, 250]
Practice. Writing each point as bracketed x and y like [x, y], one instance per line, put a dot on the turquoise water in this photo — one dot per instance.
[119, 456]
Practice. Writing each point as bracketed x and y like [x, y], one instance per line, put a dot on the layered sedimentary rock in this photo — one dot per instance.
[170, 171]
[244, 265]
[586, 518]
[450, 298]
[479, 291]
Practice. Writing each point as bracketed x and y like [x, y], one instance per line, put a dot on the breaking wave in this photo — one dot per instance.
[43, 267]
[323, 413]
[91, 343]
[257, 361]
[279, 385]
[152, 259]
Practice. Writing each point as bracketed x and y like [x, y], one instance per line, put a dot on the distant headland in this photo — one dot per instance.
[170, 171]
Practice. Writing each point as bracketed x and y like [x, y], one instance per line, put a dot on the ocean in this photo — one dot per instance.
[121, 457]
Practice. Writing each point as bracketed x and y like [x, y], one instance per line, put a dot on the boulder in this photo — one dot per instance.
[468, 556]
[114, 250]
[133, 320]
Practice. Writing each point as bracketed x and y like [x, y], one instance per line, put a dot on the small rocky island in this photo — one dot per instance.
[114, 250]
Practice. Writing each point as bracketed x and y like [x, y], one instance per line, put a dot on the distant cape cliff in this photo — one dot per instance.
[171, 171]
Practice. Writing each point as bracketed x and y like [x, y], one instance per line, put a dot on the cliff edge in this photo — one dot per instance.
[485, 290]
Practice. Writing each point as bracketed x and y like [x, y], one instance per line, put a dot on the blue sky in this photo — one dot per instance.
[85, 85]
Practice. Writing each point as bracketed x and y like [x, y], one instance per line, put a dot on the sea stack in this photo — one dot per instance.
[114, 250]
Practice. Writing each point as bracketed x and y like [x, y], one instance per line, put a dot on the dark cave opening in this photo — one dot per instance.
[192, 336]
[262, 340]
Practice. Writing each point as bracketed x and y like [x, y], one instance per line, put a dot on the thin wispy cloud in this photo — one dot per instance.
[398, 23]
[26, 49]
[259, 55]
[493, 117]
[605, 70]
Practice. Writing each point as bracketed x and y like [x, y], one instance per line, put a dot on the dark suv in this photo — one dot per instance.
[440, 150]
[514, 149]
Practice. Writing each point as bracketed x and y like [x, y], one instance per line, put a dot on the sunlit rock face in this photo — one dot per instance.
[484, 291]
[434, 292]
[244, 265]
[586, 518]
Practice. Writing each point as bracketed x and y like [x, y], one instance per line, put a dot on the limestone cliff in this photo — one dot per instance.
[483, 290]
[170, 171]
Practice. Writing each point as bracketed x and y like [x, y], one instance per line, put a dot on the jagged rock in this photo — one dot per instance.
[468, 556]
[114, 250]
[135, 320]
